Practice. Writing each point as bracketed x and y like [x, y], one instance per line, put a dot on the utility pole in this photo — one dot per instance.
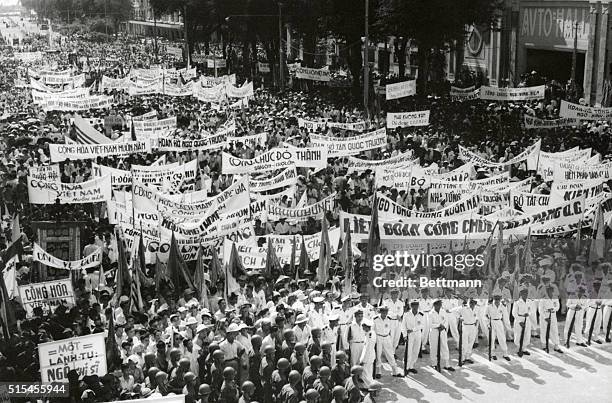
[366, 64]
[573, 74]
[281, 70]
[186, 38]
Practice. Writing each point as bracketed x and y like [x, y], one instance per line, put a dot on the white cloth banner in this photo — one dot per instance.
[400, 90]
[530, 154]
[92, 260]
[82, 104]
[356, 164]
[339, 146]
[119, 177]
[47, 295]
[286, 178]
[464, 94]
[109, 83]
[92, 191]
[48, 173]
[182, 145]
[277, 158]
[512, 94]
[316, 210]
[537, 123]
[307, 73]
[239, 92]
[407, 119]
[570, 171]
[61, 152]
[576, 111]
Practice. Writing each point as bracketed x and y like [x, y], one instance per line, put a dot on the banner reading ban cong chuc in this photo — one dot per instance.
[47, 295]
[512, 94]
[92, 191]
[61, 152]
[85, 354]
[277, 158]
[407, 119]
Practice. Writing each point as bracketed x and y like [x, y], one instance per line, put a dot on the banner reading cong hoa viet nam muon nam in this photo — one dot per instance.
[61, 152]
[92, 260]
[92, 191]
[47, 295]
[512, 94]
[277, 158]
[407, 119]
[85, 354]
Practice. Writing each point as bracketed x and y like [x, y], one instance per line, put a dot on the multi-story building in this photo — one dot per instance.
[168, 25]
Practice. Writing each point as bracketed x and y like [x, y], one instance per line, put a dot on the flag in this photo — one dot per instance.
[199, 281]
[527, 258]
[346, 260]
[10, 277]
[598, 243]
[215, 269]
[7, 312]
[272, 262]
[292, 268]
[578, 242]
[373, 236]
[324, 254]
[133, 131]
[113, 357]
[499, 251]
[136, 304]
[304, 260]
[159, 275]
[122, 275]
[234, 266]
[176, 269]
[101, 279]
[16, 228]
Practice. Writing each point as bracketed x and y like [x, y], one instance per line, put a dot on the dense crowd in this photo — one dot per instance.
[281, 338]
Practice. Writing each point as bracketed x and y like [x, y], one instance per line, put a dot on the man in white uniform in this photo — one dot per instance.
[438, 323]
[412, 329]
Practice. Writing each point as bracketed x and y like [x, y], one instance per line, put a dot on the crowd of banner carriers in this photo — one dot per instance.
[224, 210]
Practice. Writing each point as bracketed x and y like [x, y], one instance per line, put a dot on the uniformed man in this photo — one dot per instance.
[521, 312]
[384, 329]
[366, 308]
[317, 317]
[548, 308]
[396, 310]
[497, 315]
[302, 330]
[425, 307]
[469, 326]
[575, 312]
[593, 313]
[438, 328]
[355, 337]
[368, 353]
[451, 306]
[344, 321]
[606, 296]
[412, 329]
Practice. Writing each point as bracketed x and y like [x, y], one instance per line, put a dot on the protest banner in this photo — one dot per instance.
[570, 171]
[277, 158]
[251, 140]
[577, 111]
[454, 227]
[397, 177]
[307, 73]
[85, 354]
[312, 125]
[354, 126]
[82, 104]
[286, 178]
[530, 154]
[553, 220]
[537, 123]
[357, 164]
[528, 202]
[358, 224]
[28, 57]
[178, 89]
[109, 83]
[339, 147]
[207, 142]
[443, 192]
[400, 90]
[263, 67]
[316, 210]
[546, 161]
[152, 174]
[239, 92]
[407, 119]
[388, 210]
[92, 191]
[206, 81]
[61, 152]
[151, 115]
[41, 98]
[147, 125]
[47, 295]
[464, 94]
[561, 192]
[512, 94]
[92, 260]
[48, 173]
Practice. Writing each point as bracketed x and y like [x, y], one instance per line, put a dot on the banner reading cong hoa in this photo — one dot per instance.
[61, 152]
[85, 354]
[277, 158]
[92, 260]
[47, 295]
[407, 119]
[512, 94]
[92, 191]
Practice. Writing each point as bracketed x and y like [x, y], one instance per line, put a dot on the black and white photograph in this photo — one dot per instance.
[318, 201]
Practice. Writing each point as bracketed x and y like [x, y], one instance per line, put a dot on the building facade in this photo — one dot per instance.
[168, 26]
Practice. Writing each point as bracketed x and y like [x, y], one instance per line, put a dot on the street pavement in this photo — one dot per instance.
[582, 374]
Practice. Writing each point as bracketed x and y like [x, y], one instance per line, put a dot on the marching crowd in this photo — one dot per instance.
[288, 339]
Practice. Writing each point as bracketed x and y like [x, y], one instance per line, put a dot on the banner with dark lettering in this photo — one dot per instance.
[316, 210]
[537, 123]
[61, 152]
[286, 178]
[92, 191]
[307, 73]
[85, 354]
[341, 146]
[277, 158]
[358, 224]
[512, 94]
[92, 260]
[407, 119]
[400, 90]
[577, 111]
[48, 296]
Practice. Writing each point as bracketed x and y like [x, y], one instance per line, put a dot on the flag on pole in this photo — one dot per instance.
[598, 243]
[346, 260]
[7, 311]
[16, 228]
[292, 267]
[177, 269]
[133, 131]
[324, 254]
[499, 251]
[232, 270]
[527, 258]
[136, 304]
[374, 236]
[113, 357]
[272, 262]
[304, 260]
[216, 268]
[122, 274]
[200, 281]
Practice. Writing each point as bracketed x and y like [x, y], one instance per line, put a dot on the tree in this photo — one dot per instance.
[433, 24]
